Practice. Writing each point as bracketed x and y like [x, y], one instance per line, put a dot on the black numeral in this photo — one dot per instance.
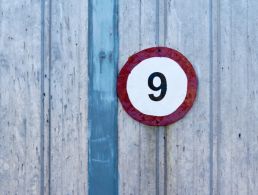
[162, 86]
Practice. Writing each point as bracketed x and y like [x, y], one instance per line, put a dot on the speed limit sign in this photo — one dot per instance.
[157, 86]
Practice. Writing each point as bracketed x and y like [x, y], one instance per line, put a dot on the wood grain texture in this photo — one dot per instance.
[68, 93]
[44, 129]
[128, 129]
[237, 92]
[188, 148]
[137, 142]
[20, 97]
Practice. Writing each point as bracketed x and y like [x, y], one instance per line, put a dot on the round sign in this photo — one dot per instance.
[157, 86]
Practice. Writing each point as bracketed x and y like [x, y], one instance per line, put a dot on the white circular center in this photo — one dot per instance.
[157, 86]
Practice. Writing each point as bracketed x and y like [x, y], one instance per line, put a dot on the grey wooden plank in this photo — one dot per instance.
[188, 148]
[252, 105]
[137, 143]
[214, 94]
[128, 129]
[148, 135]
[237, 141]
[20, 97]
[68, 83]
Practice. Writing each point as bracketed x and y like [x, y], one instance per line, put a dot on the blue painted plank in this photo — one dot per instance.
[102, 116]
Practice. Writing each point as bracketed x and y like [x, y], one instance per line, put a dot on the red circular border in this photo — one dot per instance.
[133, 61]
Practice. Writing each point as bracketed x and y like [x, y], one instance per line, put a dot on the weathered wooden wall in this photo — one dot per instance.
[50, 55]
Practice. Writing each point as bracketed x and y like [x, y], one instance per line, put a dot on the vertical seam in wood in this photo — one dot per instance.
[90, 56]
[165, 161]
[45, 170]
[157, 160]
[42, 106]
[165, 128]
[139, 164]
[139, 161]
[49, 91]
[218, 121]
[248, 89]
[140, 143]
[211, 96]
[140, 24]
[116, 60]
[157, 23]
[165, 22]
[231, 90]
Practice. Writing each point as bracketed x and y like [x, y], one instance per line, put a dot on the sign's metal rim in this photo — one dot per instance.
[133, 61]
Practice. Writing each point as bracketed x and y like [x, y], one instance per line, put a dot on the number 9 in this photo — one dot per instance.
[162, 86]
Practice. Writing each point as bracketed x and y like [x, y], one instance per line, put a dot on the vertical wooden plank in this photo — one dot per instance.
[45, 105]
[137, 143]
[68, 87]
[237, 149]
[148, 135]
[128, 129]
[215, 124]
[252, 94]
[103, 55]
[20, 97]
[188, 148]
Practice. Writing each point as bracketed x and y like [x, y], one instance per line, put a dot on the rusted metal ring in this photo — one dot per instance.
[180, 112]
